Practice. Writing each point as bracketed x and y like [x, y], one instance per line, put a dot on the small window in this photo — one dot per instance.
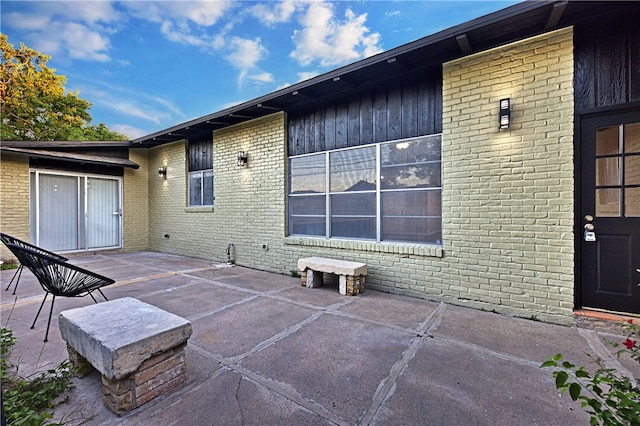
[200, 153]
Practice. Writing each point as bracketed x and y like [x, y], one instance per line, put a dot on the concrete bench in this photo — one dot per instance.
[138, 349]
[351, 281]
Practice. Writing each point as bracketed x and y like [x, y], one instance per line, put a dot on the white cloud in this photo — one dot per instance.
[129, 102]
[185, 22]
[181, 35]
[129, 131]
[274, 12]
[263, 77]
[245, 53]
[306, 75]
[25, 21]
[87, 12]
[329, 41]
[84, 43]
[201, 13]
[79, 29]
[204, 13]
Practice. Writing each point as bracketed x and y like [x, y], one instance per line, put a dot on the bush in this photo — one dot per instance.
[609, 397]
[29, 401]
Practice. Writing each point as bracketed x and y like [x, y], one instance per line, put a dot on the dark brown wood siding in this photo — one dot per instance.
[408, 108]
[201, 154]
[607, 62]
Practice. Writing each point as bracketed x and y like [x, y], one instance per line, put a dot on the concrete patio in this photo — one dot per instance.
[266, 351]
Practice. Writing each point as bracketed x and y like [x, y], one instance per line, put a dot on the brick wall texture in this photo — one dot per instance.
[249, 201]
[14, 200]
[508, 196]
[135, 220]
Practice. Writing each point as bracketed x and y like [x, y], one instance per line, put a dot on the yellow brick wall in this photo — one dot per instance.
[249, 201]
[135, 219]
[14, 199]
[508, 196]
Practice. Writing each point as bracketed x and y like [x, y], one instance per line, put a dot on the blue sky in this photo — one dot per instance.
[147, 65]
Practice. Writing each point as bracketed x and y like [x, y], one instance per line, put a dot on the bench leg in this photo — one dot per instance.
[351, 285]
[343, 285]
[314, 279]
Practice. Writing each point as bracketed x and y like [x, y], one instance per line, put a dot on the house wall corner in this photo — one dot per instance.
[136, 202]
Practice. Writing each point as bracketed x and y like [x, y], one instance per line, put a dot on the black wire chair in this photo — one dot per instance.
[8, 239]
[59, 278]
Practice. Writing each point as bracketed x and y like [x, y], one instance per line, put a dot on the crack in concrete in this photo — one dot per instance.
[238, 399]
[388, 384]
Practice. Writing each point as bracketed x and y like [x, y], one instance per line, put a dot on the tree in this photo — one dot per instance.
[34, 104]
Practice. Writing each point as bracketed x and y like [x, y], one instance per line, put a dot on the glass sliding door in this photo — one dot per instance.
[58, 209]
[103, 213]
[75, 212]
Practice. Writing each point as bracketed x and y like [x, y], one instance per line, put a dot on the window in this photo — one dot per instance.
[389, 191]
[201, 173]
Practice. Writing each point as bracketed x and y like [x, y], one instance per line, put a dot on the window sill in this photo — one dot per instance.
[198, 209]
[427, 250]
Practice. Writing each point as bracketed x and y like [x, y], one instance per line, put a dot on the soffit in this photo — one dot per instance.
[514, 23]
[71, 157]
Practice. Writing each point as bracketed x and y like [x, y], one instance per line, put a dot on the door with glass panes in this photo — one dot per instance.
[71, 212]
[610, 212]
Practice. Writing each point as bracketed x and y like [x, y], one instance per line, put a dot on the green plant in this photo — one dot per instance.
[30, 401]
[8, 264]
[295, 273]
[609, 397]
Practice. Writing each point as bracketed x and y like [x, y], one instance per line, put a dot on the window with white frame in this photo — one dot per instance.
[200, 154]
[389, 191]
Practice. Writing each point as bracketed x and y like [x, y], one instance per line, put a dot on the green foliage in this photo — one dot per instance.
[34, 104]
[295, 273]
[609, 397]
[8, 264]
[29, 401]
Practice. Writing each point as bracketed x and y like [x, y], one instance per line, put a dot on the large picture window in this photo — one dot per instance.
[389, 191]
[201, 173]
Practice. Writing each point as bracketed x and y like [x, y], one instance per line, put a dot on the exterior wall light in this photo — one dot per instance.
[162, 172]
[242, 158]
[505, 113]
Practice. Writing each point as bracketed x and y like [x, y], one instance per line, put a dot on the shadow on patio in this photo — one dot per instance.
[267, 351]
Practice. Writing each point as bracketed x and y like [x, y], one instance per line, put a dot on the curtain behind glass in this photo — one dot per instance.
[58, 212]
[103, 213]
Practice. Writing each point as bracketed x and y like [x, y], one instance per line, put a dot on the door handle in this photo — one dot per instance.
[589, 227]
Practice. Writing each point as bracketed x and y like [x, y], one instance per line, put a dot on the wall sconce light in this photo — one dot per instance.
[162, 172]
[242, 158]
[505, 113]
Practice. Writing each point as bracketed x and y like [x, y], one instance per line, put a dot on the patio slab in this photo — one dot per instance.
[340, 362]
[267, 351]
[450, 382]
